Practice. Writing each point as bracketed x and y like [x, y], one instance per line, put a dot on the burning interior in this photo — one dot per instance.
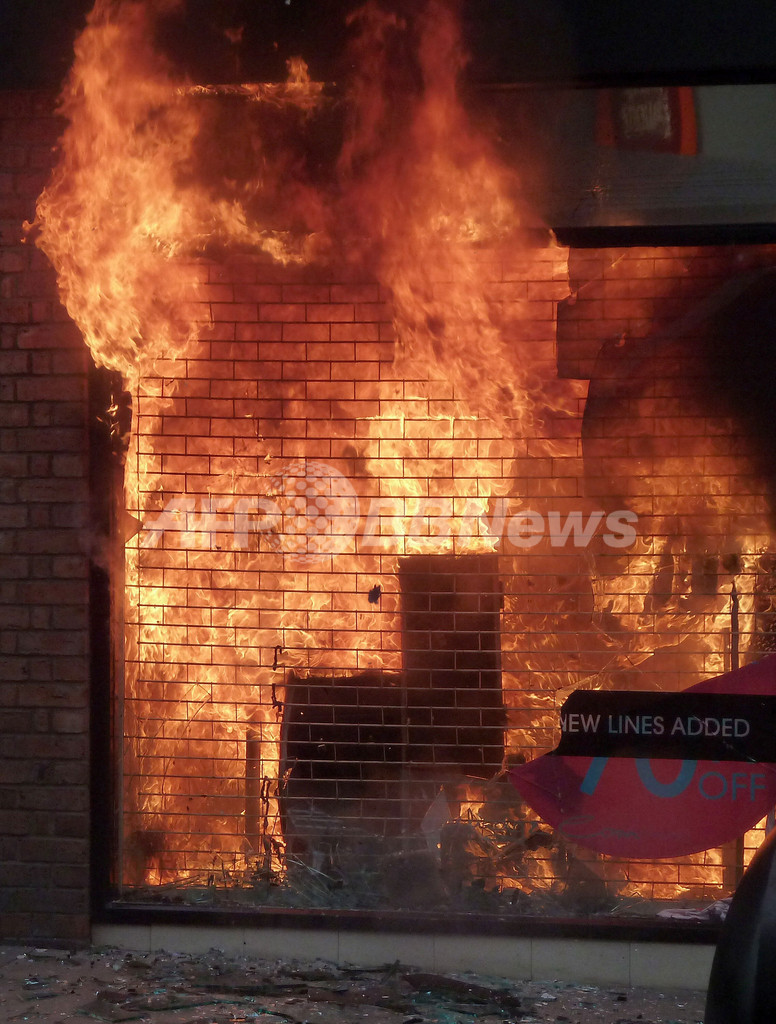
[392, 472]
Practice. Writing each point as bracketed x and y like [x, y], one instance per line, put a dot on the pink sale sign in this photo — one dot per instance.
[659, 806]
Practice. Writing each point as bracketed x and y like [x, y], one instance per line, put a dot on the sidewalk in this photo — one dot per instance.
[47, 986]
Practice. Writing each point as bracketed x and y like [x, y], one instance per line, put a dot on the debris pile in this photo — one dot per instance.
[43, 986]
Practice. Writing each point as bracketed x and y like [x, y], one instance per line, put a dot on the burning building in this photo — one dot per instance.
[380, 470]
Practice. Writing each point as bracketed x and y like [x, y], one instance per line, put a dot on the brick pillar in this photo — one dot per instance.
[44, 544]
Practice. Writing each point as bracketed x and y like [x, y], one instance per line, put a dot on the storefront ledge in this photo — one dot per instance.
[594, 952]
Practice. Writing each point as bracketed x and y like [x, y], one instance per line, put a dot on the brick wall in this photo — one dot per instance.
[298, 365]
[44, 656]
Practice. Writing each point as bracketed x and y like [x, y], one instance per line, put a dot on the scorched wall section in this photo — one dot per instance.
[45, 542]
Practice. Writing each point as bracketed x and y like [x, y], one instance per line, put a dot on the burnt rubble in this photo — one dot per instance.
[47, 986]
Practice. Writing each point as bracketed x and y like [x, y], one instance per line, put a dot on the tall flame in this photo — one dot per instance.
[428, 190]
[126, 205]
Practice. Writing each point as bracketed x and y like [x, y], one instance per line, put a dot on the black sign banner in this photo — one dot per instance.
[682, 726]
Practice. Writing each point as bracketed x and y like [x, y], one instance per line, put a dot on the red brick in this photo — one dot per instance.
[52, 592]
[14, 157]
[218, 295]
[15, 103]
[14, 363]
[234, 350]
[261, 371]
[36, 130]
[52, 850]
[41, 156]
[305, 293]
[330, 390]
[209, 369]
[330, 313]
[233, 272]
[39, 389]
[305, 332]
[307, 370]
[355, 332]
[357, 371]
[381, 351]
[30, 183]
[10, 233]
[212, 332]
[259, 332]
[185, 425]
[333, 351]
[11, 262]
[13, 415]
[234, 388]
[70, 825]
[63, 721]
[368, 293]
[15, 311]
[50, 336]
[49, 311]
[293, 389]
[374, 311]
[281, 312]
[259, 293]
[209, 407]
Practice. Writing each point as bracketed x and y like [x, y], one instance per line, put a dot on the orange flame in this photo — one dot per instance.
[123, 210]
